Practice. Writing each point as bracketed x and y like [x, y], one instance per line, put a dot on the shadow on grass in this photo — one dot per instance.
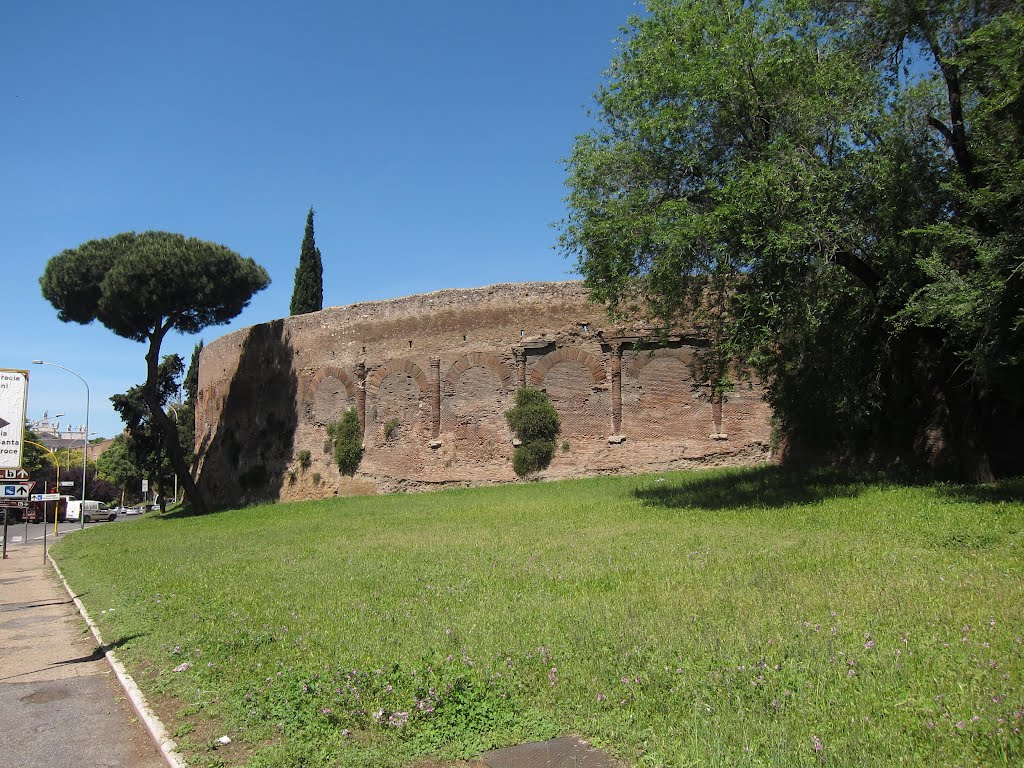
[180, 511]
[1008, 490]
[769, 486]
[185, 510]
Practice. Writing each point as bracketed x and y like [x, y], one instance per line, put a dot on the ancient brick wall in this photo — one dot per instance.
[441, 369]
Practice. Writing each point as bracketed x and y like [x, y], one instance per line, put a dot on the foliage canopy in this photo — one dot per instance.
[832, 192]
[139, 285]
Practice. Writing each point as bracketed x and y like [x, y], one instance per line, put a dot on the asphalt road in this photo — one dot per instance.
[16, 532]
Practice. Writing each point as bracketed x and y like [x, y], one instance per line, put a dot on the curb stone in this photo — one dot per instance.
[153, 725]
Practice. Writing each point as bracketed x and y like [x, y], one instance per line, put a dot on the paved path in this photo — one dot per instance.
[60, 703]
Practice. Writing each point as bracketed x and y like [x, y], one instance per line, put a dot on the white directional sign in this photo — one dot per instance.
[45, 497]
[13, 474]
[15, 490]
[13, 399]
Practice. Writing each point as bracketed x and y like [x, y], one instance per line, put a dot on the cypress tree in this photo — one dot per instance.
[308, 294]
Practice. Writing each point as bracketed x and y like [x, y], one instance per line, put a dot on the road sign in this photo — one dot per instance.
[15, 490]
[66, 483]
[13, 399]
[12, 503]
[45, 497]
[14, 474]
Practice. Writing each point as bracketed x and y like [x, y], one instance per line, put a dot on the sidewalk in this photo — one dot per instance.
[60, 703]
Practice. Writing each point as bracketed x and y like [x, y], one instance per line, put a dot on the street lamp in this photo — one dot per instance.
[85, 448]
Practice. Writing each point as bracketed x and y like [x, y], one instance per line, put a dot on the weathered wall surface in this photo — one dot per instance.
[445, 366]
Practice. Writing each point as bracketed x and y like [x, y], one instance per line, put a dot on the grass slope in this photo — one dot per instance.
[745, 617]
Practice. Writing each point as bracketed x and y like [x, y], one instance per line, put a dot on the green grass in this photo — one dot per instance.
[745, 617]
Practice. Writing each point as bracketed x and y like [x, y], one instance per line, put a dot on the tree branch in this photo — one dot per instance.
[857, 267]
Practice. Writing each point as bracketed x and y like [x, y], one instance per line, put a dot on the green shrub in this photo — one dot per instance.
[535, 422]
[532, 457]
[390, 428]
[305, 458]
[347, 437]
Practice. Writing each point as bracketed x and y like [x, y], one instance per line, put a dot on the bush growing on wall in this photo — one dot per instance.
[535, 422]
[347, 436]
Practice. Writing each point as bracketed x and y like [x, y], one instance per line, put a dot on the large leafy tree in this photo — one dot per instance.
[308, 293]
[811, 184]
[143, 286]
[117, 466]
[35, 457]
[145, 444]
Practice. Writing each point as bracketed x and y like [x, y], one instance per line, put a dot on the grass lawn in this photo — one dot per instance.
[744, 617]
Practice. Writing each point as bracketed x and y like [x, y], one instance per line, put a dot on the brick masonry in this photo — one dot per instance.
[445, 367]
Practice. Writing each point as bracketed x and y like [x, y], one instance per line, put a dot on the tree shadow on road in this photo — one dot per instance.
[101, 650]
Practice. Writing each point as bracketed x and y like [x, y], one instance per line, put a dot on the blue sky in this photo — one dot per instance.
[428, 137]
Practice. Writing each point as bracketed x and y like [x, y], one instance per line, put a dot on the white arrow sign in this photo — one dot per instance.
[16, 490]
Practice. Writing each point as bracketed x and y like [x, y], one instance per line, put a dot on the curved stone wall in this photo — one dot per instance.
[444, 367]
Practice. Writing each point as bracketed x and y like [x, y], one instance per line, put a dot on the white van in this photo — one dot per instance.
[94, 510]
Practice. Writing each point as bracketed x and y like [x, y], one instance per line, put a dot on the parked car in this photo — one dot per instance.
[90, 510]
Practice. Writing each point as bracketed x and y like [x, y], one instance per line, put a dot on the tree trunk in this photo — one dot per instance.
[975, 466]
[167, 427]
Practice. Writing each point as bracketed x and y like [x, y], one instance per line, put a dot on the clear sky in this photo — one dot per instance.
[428, 136]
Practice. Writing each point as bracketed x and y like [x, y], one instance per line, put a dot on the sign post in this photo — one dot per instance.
[13, 496]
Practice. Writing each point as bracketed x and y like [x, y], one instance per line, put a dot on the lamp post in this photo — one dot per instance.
[85, 448]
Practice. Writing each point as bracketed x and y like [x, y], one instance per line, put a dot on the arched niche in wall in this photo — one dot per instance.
[475, 393]
[327, 395]
[397, 390]
[574, 380]
[659, 398]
